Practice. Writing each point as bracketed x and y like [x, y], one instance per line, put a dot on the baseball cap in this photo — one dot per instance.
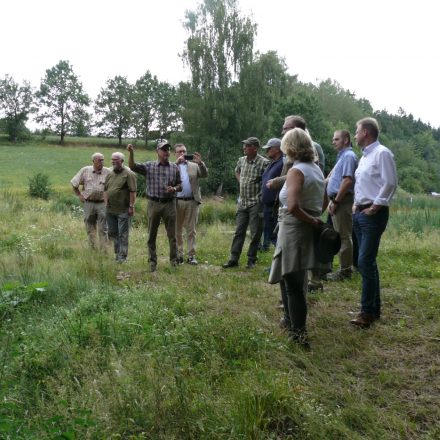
[252, 141]
[273, 143]
[164, 145]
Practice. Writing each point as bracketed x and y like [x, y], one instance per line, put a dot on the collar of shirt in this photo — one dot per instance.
[342, 152]
[97, 172]
[369, 148]
[166, 164]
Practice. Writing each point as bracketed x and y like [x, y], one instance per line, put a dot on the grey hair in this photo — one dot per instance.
[119, 155]
[95, 155]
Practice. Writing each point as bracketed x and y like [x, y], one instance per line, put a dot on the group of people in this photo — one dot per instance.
[281, 198]
[356, 195]
[172, 190]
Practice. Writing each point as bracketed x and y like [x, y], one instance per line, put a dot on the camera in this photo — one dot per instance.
[188, 156]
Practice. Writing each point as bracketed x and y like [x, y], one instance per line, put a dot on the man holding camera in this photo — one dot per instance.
[191, 170]
[163, 183]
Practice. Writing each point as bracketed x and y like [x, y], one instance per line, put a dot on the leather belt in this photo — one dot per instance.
[95, 201]
[159, 200]
[185, 198]
[362, 207]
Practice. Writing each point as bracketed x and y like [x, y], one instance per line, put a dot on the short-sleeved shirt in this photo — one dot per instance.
[158, 177]
[346, 165]
[92, 181]
[251, 172]
[119, 185]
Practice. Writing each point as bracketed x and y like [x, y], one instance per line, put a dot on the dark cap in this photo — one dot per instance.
[273, 143]
[327, 243]
[252, 141]
[164, 145]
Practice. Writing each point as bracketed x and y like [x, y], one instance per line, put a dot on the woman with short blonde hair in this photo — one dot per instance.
[302, 200]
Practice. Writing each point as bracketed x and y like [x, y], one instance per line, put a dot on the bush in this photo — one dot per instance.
[40, 186]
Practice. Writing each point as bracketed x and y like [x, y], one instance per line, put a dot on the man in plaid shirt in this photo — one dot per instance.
[248, 172]
[163, 182]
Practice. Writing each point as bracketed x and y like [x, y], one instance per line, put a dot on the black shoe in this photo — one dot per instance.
[300, 339]
[313, 286]
[250, 264]
[230, 263]
[192, 261]
[285, 323]
[179, 260]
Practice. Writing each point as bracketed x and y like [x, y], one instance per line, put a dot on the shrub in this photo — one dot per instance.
[40, 186]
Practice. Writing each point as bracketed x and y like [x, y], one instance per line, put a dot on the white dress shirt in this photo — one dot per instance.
[186, 186]
[376, 176]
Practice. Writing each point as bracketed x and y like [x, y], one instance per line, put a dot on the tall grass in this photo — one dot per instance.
[92, 349]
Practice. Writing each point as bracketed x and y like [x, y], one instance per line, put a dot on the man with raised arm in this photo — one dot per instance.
[162, 184]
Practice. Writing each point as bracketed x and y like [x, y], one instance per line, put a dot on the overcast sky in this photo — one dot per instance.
[383, 50]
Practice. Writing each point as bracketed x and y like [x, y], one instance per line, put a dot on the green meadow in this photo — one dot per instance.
[90, 349]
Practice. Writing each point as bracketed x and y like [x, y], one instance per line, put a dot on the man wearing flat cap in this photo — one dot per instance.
[269, 196]
[249, 172]
[162, 183]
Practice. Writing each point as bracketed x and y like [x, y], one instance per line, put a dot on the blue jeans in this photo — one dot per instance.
[118, 228]
[369, 230]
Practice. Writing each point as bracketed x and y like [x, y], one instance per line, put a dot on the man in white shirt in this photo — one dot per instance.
[376, 183]
[188, 200]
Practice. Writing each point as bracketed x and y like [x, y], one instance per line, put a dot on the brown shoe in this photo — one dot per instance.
[363, 320]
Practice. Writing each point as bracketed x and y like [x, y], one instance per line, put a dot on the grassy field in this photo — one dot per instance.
[94, 350]
[60, 163]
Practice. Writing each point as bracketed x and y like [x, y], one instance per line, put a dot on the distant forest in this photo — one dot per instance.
[234, 93]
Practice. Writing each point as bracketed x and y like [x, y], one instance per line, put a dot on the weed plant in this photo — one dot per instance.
[40, 186]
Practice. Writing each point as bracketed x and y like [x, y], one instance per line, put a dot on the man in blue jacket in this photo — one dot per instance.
[268, 196]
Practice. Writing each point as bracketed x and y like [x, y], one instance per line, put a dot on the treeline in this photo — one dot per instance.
[233, 93]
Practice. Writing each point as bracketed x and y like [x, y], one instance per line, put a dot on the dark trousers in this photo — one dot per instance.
[167, 213]
[252, 217]
[270, 222]
[293, 293]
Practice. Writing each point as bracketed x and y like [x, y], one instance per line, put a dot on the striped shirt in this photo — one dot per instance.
[250, 173]
[92, 182]
[158, 177]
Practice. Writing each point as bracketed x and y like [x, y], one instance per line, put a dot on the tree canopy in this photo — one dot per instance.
[62, 101]
[233, 93]
[16, 104]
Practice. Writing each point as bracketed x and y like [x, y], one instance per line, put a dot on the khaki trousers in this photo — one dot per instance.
[343, 223]
[187, 216]
[96, 223]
